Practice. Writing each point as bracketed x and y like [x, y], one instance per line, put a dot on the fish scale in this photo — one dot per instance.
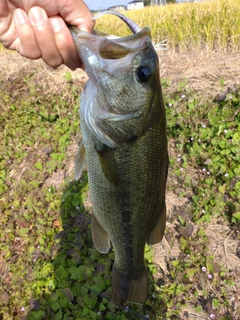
[126, 153]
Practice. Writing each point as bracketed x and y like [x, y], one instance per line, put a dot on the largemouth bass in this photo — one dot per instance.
[123, 123]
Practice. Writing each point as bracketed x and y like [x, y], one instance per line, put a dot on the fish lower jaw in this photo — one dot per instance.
[104, 114]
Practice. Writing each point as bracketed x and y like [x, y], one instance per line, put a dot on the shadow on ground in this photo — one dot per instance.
[78, 279]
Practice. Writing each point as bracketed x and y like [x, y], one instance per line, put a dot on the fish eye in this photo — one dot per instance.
[143, 73]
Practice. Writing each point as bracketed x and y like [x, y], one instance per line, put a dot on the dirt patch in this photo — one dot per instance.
[201, 70]
[13, 65]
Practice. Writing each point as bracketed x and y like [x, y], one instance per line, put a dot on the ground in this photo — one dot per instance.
[202, 71]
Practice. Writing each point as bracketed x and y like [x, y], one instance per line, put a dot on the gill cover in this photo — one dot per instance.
[104, 56]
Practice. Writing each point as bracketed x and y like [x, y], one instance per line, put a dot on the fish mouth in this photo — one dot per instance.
[108, 62]
[100, 53]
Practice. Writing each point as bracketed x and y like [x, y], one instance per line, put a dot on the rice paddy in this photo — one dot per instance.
[212, 24]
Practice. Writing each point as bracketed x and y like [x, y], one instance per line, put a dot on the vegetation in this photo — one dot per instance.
[210, 24]
[207, 137]
[48, 264]
[147, 2]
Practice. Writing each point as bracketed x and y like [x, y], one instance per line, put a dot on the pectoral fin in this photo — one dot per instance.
[100, 237]
[157, 234]
[108, 163]
[80, 162]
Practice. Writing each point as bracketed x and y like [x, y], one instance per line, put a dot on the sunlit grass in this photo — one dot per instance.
[211, 24]
[214, 24]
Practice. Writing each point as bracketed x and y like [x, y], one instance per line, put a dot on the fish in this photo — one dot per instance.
[124, 145]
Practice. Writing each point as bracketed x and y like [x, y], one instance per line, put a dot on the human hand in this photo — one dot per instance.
[36, 29]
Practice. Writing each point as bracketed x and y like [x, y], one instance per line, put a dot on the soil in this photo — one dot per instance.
[202, 71]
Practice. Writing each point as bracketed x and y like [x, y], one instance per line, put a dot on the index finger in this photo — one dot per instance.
[74, 12]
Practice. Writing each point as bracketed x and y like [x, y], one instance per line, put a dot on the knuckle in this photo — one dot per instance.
[54, 63]
[62, 42]
[32, 54]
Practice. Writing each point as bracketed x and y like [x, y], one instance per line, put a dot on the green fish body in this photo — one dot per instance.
[123, 125]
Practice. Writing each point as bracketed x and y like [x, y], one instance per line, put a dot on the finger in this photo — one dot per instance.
[26, 45]
[6, 25]
[64, 43]
[77, 14]
[3, 9]
[44, 36]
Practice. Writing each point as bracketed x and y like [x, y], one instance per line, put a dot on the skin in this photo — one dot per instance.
[37, 29]
[127, 180]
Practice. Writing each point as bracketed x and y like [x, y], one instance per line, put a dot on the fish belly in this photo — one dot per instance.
[127, 190]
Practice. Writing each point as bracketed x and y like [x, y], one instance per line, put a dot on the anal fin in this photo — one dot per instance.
[100, 237]
[157, 233]
[131, 290]
[79, 161]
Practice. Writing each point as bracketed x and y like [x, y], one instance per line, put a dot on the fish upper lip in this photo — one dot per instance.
[128, 43]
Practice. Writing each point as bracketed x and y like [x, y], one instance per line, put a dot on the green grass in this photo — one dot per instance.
[49, 267]
[207, 137]
[48, 264]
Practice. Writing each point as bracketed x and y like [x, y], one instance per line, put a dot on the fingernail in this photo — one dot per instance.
[37, 16]
[56, 24]
[20, 16]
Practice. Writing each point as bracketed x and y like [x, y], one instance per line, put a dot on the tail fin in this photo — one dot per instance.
[131, 290]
